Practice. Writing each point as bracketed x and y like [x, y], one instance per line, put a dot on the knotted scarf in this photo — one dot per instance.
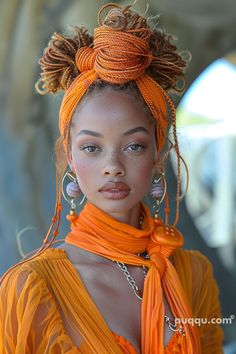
[99, 233]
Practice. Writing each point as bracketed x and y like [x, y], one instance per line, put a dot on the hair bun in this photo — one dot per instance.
[167, 67]
[58, 63]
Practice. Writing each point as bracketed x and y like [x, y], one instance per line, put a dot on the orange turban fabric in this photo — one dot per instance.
[117, 57]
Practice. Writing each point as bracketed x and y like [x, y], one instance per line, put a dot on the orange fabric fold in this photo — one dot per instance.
[99, 233]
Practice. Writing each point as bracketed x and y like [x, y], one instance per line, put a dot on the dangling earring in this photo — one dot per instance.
[73, 191]
[158, 192]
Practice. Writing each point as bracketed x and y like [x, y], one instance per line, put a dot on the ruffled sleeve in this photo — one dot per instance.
[196, 274]
[29, 319]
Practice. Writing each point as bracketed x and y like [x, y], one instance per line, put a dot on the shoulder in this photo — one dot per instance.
[20, 280]
[194, 269]
[28, 285]
[191, 260]
[29, 274]
[196, 274]
[29, 315]
[21, 292]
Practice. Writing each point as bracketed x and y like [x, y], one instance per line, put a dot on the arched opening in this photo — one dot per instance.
[207, 135]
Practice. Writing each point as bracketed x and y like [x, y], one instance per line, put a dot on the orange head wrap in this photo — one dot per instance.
[117, 57]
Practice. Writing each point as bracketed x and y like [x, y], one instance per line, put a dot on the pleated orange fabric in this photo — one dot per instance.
[97, 232]
[40, 300]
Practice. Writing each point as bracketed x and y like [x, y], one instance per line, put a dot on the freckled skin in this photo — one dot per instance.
[114, 156]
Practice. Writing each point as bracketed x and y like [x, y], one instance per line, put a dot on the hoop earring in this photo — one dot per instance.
[166, 231]
[158, 192]
[73, 191]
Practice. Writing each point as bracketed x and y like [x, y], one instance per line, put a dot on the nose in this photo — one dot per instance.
[113, 166]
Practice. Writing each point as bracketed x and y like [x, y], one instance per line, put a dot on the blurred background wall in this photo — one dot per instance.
[28, 122]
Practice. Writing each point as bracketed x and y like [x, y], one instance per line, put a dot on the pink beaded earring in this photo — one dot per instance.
[73, 191]
[165, 231]
[158, 192]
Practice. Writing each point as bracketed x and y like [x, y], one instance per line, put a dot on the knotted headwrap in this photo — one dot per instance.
[97, 232]
[117, 57]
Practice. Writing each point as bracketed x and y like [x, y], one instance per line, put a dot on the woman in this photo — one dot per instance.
[120, 282]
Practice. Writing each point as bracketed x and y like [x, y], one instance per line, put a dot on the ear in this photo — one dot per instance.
[70, 161]
[157, 167]
[154, 169]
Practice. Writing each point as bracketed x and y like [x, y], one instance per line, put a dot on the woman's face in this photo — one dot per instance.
[112, 150]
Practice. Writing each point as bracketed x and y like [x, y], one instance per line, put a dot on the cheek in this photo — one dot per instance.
[85, 175]
[83, 167]
[83, 170]
[144, 170]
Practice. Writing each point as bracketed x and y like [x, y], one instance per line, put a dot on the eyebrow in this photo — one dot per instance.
[129, 132]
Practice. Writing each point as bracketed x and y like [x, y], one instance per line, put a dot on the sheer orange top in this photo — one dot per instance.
[38, 300]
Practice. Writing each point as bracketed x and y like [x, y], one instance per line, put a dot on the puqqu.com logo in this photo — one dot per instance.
[198, 321]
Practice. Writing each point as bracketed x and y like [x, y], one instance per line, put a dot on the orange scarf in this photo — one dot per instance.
[99, 233]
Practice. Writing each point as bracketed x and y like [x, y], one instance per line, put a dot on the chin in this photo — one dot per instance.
[117, 206]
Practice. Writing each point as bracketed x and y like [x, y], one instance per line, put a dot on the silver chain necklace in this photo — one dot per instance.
[171, 323]
[130, 279]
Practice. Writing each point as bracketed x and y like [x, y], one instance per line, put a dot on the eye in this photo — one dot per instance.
[90, 148]
[135, 148]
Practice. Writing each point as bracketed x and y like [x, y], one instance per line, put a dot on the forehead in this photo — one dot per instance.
[110, 108]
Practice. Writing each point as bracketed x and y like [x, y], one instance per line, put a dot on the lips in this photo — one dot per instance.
[114, 186]
[115, 190]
